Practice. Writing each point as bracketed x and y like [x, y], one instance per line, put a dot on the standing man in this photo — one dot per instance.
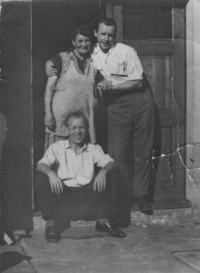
[130, 116]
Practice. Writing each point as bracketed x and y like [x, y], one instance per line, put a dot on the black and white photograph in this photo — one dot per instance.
[100, 136]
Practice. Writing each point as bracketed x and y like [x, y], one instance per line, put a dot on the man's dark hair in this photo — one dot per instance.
[77, 114]
[82, 30]
[107, 22]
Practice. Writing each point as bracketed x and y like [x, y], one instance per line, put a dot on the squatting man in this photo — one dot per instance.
[67, 187]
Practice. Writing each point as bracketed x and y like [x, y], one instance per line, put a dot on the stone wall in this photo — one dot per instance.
[193, 102]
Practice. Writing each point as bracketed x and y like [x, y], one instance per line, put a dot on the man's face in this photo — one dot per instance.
[77, 130]
[105, 36]
[82, 44]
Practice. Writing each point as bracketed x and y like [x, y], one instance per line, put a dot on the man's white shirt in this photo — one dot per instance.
[75, 170]
[119, 64]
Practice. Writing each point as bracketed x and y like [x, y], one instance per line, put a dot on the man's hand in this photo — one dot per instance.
[100, 181]
[55, 183]
[104, 86]
[49, 68]
[49, 121]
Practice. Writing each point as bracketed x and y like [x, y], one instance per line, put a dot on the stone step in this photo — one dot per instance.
[168, 216]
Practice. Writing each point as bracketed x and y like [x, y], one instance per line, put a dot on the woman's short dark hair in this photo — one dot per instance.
[82, 30]
[107, 22]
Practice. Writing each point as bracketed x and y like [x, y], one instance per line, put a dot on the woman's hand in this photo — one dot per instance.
[49, 69]
[49, 121]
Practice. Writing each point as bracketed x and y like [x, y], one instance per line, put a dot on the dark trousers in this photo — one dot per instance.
[74, 203]
[131, 119]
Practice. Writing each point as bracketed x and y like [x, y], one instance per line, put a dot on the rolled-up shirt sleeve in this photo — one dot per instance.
[100, 158]
[49, 157]
[134, 67]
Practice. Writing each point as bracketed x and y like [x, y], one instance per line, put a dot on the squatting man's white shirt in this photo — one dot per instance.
[75, 170]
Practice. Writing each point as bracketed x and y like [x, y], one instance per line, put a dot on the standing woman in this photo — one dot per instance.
[72, 88]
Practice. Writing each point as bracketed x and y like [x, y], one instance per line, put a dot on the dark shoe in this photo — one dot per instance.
[143, 204]
[108, 227]
[50, 233]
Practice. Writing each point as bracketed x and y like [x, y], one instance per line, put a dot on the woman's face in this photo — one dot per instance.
[82, 44]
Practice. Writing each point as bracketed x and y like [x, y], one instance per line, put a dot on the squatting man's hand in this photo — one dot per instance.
[104, 86]
[100, 181]
[55, 183]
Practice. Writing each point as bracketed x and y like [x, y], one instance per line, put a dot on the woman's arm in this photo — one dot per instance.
[49, 90]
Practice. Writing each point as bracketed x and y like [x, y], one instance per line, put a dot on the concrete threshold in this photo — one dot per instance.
[168, 216]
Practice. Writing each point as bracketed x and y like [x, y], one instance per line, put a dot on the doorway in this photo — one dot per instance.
[157, 32]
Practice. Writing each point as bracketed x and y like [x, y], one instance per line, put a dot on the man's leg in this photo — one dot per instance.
[102, 203]
[56, 208]
[143, 131]
[94, 204]
[107, 209]
[120, 148]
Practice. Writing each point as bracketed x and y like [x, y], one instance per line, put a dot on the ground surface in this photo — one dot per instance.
[149, 248]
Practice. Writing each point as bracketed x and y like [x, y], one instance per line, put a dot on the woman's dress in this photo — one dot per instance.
[74, 92]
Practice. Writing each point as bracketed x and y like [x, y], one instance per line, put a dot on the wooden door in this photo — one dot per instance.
[158, 35]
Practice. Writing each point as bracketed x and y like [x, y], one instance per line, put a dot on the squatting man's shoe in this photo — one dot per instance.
[108, 227]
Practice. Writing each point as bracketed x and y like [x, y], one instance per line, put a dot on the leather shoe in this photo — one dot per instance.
[50, 233]
[108, 227]
[143, 204]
